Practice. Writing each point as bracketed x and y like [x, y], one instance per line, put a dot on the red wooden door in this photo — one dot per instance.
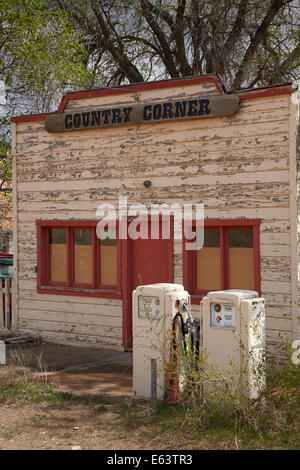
[144, 262]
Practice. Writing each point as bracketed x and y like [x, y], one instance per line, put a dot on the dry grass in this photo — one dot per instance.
[19, 370]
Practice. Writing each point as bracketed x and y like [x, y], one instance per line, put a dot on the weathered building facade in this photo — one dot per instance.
[236, 153]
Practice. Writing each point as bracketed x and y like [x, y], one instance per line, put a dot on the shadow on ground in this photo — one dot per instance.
[81, 370]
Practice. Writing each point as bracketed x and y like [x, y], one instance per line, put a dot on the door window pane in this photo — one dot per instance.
[83, 256]
[58, 254]
[241, 266]
[108, 262]
[208, 262]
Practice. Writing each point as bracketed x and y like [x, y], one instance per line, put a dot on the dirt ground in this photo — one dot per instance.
[107, 374]
[40, 426]
[81, 370]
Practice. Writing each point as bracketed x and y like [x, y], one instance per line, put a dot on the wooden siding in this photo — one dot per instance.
[181, 92]
[237, 166]
[295, 209]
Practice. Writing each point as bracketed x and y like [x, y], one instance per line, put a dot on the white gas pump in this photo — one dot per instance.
[233, 335]
[156, 309]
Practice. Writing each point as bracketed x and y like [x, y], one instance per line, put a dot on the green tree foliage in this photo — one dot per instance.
[5, 179]
[5, 154]
[40, 54]
[39, 51]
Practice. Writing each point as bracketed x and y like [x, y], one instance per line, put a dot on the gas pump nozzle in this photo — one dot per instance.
[184, 313]
[184, 308]
[192, 326]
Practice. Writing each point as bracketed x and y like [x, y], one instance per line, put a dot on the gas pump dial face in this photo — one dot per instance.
[222, 316]
[149, 307]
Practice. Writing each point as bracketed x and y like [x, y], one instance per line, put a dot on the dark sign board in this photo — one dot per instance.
[194, 108]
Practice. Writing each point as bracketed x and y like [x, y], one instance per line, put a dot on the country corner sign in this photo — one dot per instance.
[194, 108]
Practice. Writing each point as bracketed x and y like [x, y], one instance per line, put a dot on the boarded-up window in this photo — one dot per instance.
[208, 262]
[108, 262]
[83, 256]
[229, 258]
[73, 259]
[240, 254]
[58, 255]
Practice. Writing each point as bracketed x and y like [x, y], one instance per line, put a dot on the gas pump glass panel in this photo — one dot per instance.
[149, 307]
[222, 315]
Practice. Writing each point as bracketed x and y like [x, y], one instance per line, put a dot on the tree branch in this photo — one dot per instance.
[179, 39]
[129, 69]
[237, 27]
[144, 41]
[273, 9]
[166, 52]
[165, 15]
[196, 37]
[294, 54]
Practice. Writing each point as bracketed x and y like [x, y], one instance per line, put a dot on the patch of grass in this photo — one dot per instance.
[272, 421]
[206, 428]
[38, 419]
[13, 392]
[35, 392]
[101, 408]
[10, 433]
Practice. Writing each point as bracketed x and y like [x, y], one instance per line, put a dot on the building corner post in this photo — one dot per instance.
[14, 312]
[295, 207]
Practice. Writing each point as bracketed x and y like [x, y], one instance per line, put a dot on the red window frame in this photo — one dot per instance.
[95, 289]
[189, 256]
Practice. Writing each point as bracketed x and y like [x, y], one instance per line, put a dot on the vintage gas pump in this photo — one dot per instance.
[161, 323]
[233, 335]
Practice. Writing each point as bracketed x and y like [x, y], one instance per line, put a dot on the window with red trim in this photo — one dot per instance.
[72, 259]
[229, 258]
